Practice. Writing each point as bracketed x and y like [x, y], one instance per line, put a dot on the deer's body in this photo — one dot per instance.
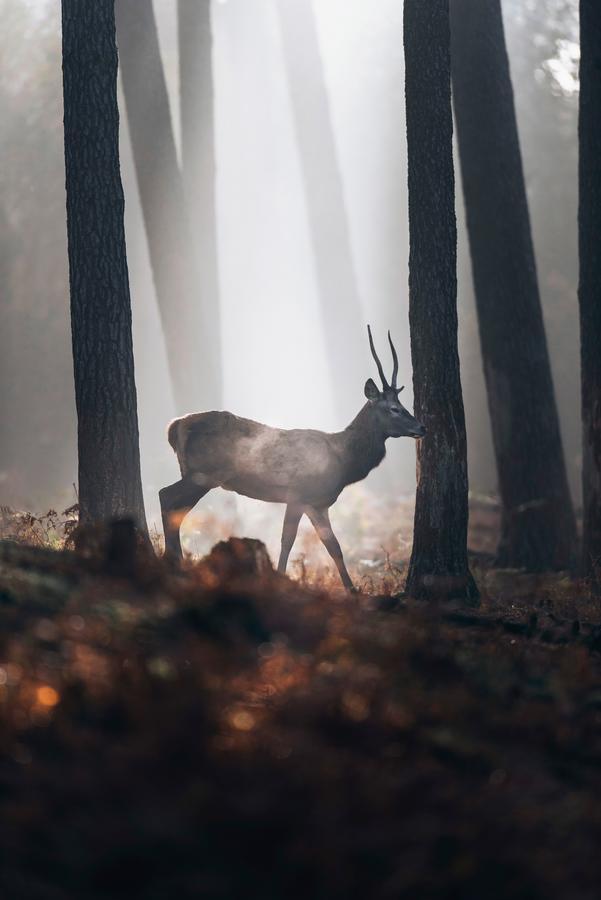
[279, 466]
[303, 468]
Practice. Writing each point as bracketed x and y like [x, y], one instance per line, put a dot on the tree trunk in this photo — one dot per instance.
[191, 336]
[109, 459]
[198, 150]
[328, 225]
[590, 283]
[539, 527]
[439, 565]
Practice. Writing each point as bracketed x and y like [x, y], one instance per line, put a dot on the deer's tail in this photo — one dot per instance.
[177, 435]
[172, 429]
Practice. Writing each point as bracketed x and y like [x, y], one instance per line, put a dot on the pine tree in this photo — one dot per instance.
[538, 525]
[590, 283]
[109, 459]
[439, 564]
[191, 334]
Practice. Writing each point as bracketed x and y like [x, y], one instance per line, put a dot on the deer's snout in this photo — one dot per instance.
[419, 431]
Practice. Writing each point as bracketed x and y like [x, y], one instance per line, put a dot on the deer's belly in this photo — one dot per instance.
[257, 489]
[263, 489]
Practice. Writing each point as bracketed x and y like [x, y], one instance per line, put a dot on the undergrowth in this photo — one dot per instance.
[221, 731]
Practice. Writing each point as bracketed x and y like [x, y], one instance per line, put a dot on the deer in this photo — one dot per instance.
[302, 468]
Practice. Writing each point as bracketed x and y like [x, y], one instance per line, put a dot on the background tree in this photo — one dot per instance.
[38, 453]
[590, 281]
[109, 460]
[328, 223]
[538, 527]
[191, 333]
[195, 41]
[439, 565]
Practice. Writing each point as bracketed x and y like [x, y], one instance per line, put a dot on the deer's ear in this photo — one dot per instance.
[371, 391]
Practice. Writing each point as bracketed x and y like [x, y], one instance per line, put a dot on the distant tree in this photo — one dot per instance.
[105, 392]
[324, 193]
[191, 335]
[439, 564]
[590, 282]
[38, 455]
[197, 110]
[539, 526]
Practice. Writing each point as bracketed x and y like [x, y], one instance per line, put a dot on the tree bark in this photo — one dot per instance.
[439, 564]
[328, 224]
[199, 173]
[109, 459]
[539, 526]
[589, 221]
[191, 335]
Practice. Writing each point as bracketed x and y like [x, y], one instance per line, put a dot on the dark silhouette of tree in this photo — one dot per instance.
[539, 527]
[191, 336]
[328, 224]
[589, 220]
[198, 147]
[439, 564]
[105, 392]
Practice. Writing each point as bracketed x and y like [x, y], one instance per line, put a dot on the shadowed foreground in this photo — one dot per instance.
[225, 732]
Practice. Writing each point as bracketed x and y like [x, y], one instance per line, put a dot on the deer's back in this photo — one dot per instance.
[298, 465]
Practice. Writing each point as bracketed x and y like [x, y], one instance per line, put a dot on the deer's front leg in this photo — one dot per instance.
[291, 519]
[321, 522]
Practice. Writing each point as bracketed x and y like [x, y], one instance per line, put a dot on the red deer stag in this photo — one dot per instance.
[302, 468]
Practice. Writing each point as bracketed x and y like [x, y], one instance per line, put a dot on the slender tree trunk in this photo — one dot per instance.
[439, 564]
[109, 459]
[198, 149]
[191, 336]
[590, 282]
[539, 527]
[9, 248]
[328, 224]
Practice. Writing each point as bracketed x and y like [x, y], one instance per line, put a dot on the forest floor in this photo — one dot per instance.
[223, 732]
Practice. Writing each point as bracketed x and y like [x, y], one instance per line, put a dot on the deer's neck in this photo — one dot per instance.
[363, 445]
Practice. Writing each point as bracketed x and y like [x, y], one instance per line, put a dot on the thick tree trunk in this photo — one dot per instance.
[539, 527]
[328, 224]
[109, 459]
[590, 282]
[198, 150]
[191, 336]
[439, 564]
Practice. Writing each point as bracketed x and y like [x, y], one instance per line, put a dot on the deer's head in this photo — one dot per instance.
[395, 420]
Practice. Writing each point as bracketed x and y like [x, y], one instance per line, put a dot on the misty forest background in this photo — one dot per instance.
[293, 103]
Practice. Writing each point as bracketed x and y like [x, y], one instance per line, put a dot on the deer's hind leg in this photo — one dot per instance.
[321, 522]
[176, 502]
[292, 517]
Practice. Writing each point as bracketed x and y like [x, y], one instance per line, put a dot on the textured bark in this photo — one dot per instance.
[109, 460]
[198, 152]
[439, 564]
[191, 336]
[590, 282]
[539, 526]
[328, 225]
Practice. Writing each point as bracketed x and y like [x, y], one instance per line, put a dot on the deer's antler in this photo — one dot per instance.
[385, 384]
[395, 361]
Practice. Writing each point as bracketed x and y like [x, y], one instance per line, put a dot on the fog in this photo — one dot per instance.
[276, 358]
